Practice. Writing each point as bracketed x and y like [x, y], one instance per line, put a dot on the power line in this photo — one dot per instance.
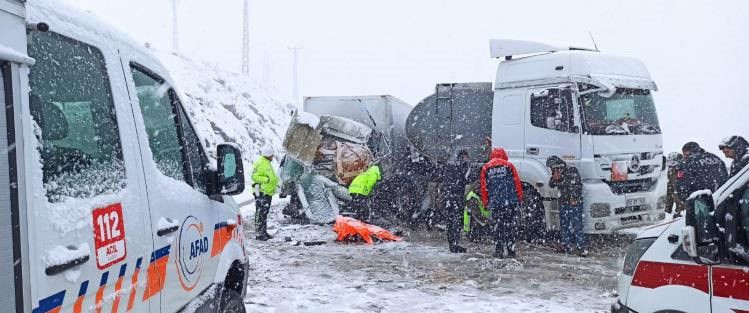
[295, 51]
[175, 34]
[246, 38]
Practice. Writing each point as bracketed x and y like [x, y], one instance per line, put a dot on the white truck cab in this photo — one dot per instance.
[593, 110]
[107, 192]
[699, 263]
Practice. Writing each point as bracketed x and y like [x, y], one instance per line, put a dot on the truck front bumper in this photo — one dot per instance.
[607, 212]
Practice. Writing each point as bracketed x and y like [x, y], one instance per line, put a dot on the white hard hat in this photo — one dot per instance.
[266, 152]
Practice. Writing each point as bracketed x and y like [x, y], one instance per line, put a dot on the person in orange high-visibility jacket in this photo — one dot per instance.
[502, 193]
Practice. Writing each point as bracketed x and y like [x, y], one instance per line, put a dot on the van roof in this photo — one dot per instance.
[564, 64]
[88, 28]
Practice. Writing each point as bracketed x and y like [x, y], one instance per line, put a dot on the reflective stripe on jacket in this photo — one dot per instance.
[263, 174]
[467, 211]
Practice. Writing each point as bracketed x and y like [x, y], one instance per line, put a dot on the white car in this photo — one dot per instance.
[699, 263]
[114, 204]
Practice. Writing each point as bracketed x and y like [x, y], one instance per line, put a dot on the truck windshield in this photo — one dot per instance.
[626, 112]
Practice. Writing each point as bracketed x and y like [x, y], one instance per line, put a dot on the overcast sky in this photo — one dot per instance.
[695, 50]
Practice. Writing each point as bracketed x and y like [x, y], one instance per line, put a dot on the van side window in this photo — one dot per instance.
[161, 124]
[72, 107]
[198, 159]
[552, 109]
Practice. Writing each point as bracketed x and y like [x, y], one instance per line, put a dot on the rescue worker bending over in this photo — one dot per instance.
[361, 189]
[502, 192]
[567, 180]
[477, 219]
[700, 170]
[735, 148]
[265, 182]
[672, 198]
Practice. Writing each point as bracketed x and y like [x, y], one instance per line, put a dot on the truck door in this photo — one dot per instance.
[552, 128]
[187, 233]
[87, 217]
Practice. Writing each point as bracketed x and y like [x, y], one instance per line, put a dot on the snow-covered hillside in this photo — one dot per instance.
[229, 107]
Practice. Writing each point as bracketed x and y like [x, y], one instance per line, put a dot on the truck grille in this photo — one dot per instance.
[630, 186]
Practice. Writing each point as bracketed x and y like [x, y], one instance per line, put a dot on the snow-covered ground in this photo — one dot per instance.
[419, 275]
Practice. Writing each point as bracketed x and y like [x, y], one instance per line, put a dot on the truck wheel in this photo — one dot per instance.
[532, 217]
[231, 302]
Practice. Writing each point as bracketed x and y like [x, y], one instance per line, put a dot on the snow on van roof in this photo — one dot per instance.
[84, 26]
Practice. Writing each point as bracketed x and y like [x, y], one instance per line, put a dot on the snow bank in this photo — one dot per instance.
[228, 107]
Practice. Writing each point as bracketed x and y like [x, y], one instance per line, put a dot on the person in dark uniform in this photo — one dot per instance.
[566, 179]
[453, 182]
[700, 170]
[737, 149]
[502, 192]
[672, 198]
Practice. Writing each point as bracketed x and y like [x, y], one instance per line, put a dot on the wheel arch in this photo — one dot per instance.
[232, 268]
[533, 173]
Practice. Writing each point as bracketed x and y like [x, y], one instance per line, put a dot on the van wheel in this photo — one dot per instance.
[231, 302]
[532, 217]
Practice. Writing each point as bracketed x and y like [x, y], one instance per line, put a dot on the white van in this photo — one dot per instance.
[699, 263]
[107, 193]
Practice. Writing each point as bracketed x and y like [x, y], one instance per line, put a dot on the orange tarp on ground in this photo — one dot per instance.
[348, 227]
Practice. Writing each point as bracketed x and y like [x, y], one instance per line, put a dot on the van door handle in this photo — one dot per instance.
[532, 150]
[166, 226]
[69, 261]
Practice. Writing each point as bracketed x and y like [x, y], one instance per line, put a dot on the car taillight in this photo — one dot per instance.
[634, 253]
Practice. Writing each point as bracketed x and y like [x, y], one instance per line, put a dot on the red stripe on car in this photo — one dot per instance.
[658, 274]
[731, 283]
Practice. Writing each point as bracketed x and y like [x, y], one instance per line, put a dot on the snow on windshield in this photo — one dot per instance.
[628, 111]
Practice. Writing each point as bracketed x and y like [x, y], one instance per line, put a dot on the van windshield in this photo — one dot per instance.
[626, 112]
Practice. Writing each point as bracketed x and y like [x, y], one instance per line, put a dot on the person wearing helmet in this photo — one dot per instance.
[700, 170]
[502, 192]
[735, 148]
[566, 179]
[265, 182]
[672, 162]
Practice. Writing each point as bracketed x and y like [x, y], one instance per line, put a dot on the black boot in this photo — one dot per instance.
[457, 249]
[499, 252]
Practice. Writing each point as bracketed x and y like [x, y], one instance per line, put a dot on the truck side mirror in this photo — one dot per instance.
[700, 233]
[230, 170]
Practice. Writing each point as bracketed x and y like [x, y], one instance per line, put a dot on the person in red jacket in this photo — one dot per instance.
[502, 193]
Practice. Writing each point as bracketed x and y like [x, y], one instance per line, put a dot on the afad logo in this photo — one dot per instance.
[192, 252]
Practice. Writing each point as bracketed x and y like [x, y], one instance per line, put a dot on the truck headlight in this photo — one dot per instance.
[598, 210]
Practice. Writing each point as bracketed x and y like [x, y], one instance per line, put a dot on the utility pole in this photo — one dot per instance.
[175, 42]
[246, 39]
[295, 51]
